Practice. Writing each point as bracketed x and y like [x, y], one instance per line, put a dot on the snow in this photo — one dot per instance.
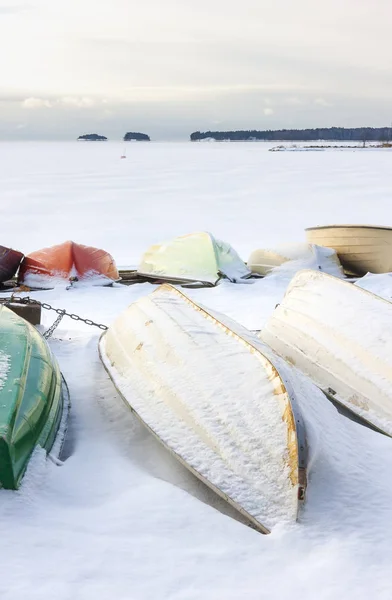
[4, 368]
[46, 282]
[121, 519]
[380, 284]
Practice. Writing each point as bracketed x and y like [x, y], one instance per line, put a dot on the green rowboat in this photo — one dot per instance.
[31, 396]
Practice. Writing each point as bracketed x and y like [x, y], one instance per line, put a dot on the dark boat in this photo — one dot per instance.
[9, 263]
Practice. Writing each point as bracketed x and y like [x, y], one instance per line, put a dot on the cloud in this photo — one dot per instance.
[36, 103]
[75, 102]
[165, 68]
[65, 102]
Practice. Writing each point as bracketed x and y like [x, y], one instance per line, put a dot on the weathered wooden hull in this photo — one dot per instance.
[361, 248]
[9, 263]
[65, 261]
[340, 336]
[214, 400]
[263, 261]
[31, 396]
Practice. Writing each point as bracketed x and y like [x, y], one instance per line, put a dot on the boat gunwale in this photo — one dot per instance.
[163, 280]
[319, 227]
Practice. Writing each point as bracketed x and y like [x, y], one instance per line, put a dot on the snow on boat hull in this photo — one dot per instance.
[9, 263]
[340, 336]
[65, 261]
[263, 261]
[361, 248]
[214, 400]
[31, 396]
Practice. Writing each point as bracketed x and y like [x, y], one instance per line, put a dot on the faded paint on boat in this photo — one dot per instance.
[196, 257]
[9, 262]
[67, 260]
[340, 336]
[196, 382]
[361, 248]
[31, 399]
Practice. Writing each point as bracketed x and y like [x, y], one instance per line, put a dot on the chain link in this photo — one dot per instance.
[60, 311]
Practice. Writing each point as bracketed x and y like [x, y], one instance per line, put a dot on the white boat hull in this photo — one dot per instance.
[263, 261]
[214, 400]
[341, 337]
[361, 249]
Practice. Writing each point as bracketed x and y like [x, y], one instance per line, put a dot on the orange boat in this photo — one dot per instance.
[69, 261]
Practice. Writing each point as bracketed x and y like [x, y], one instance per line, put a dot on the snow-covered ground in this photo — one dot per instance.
[121, 519]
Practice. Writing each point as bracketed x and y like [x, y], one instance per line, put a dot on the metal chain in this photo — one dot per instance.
[60, 311]
[51, 329]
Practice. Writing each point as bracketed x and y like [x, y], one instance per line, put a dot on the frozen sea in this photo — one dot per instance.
[121, 520]
[239, 191]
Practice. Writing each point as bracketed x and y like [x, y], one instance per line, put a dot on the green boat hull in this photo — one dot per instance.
[31, 396]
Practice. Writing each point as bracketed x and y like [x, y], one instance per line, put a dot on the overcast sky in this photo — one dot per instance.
[170, 67]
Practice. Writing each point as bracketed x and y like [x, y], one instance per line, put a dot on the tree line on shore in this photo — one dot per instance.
[338, 134]
[343, 134]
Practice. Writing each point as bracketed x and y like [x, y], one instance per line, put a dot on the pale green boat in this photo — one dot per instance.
[33, 396]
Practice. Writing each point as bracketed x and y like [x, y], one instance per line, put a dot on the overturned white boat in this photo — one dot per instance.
[197, 257]
[262, 261]
[210, 395]
[341, 337]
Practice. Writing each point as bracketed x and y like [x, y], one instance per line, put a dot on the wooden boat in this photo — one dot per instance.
[67, 261]
[32, 397]
[340, 336]
[262, 261]
[361, 248]
[9, 263]
[211, 396]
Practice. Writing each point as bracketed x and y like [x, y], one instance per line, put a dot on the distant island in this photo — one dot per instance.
[356, 134]
[134, 136]
[92, 137]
